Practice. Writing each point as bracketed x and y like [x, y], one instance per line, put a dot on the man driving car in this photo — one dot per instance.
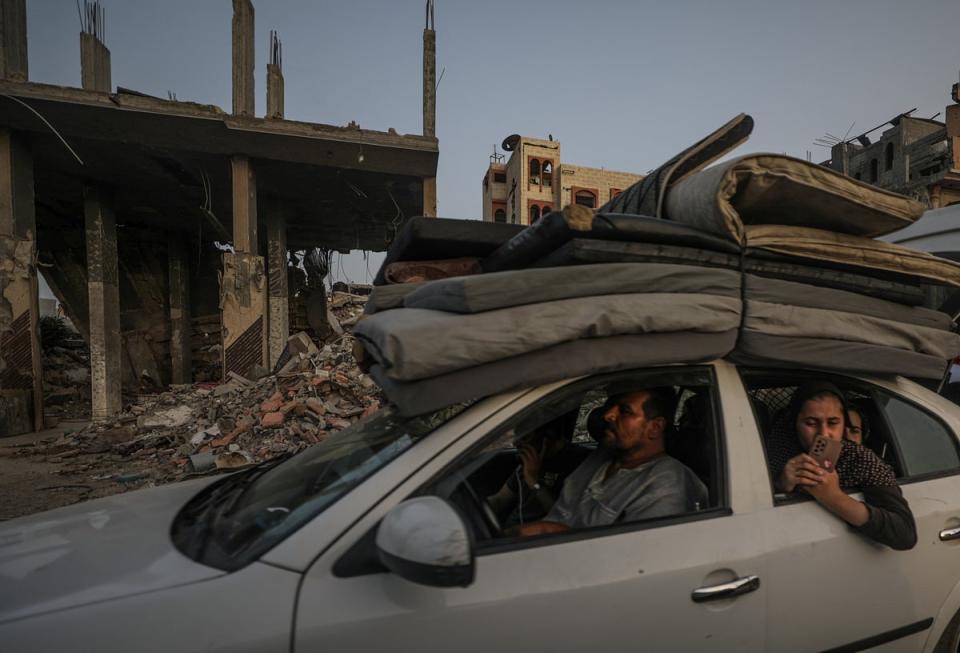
[630, 476]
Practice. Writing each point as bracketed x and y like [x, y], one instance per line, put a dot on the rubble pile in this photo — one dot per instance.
[66, 371]
[204, 427]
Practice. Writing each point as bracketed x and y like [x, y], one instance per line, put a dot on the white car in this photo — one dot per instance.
[380, 538]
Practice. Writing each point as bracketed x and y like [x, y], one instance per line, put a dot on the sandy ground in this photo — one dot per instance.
[35, 483]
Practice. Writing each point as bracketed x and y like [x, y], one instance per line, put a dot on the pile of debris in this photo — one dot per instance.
[66, 371]
[201, 428]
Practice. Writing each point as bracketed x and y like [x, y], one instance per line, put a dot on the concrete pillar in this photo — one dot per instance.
[430, 197]
[274, 91]
[179, 284]
[13, 40]
[21, 381]
[243, 58]
[275, 79]
[429, 76]
[243, 295]
[244, 205]
[95, 72]
[952, 120]
[278, 293]
[104, 299]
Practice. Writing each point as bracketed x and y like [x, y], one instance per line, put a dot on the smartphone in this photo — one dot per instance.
[824, 449]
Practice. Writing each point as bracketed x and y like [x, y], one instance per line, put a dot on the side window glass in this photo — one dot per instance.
[926, 445]
[578, 439]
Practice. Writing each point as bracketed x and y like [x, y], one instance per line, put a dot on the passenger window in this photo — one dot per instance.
[926, 445]
[490, 488]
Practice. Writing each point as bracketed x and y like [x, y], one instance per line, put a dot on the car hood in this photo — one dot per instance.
[94, 551]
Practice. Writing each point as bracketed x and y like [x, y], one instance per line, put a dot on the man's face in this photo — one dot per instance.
[627, 426]
[855, 427]
[820, 416]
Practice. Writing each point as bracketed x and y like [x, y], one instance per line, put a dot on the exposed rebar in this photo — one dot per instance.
[93, 19]
[276, 49]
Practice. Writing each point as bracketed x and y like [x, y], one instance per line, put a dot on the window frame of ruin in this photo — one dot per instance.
[874, 170]
[546, 173]
[888, 156]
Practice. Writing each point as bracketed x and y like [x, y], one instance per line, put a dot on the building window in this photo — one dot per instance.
[874, 171]
[500, 177]
[534, 213]
[585, 198]
[614, 192]
[888, 157]
[546, 210]
[535, 171]
[500, 215]
[547, 174]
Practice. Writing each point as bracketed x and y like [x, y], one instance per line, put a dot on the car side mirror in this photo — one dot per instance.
[426, 541]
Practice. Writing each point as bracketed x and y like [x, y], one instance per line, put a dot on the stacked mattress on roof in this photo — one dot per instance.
[765, 259]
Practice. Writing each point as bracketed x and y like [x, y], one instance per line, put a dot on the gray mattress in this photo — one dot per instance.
[566, 360]
[475, 294]
[415, 343]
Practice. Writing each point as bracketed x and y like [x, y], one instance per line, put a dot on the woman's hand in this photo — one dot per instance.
[802, 471]
[829, 495]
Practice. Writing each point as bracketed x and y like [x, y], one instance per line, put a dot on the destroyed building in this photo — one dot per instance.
[162, 225]
[917, 157]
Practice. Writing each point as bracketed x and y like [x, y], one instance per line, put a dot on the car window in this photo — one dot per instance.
[926, 445]
[488, 483]
[912, 440]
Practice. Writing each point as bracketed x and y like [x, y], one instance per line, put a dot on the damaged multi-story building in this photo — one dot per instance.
[147, 216]
[919, 157]
[534, 182]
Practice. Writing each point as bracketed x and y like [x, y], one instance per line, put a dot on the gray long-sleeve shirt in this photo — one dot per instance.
[660, 487]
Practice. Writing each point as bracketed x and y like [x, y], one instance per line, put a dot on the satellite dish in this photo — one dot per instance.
[510, 142]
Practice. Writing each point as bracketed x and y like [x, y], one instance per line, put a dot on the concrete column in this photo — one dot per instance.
[430, 197]
[274, 91]
[952, 120]
[275, 79]
[13, 40]
[429, 80]
[243, 295]
[21, 381]
[104, 300]
[95, 72]
[179, 284]
[278, 293]
[243, 58]
[244, 205]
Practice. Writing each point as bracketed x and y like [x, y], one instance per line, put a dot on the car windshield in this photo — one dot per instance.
[233, 522]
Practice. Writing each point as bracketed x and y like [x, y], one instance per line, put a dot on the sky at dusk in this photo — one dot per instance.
[622, 85]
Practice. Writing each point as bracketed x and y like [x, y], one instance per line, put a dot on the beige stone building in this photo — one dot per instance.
[534, 181]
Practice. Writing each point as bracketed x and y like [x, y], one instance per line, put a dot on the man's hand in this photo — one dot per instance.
[542, 528]
[801, 471]
[532, 460]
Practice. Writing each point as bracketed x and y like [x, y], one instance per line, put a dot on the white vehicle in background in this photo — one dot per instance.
[380, 538]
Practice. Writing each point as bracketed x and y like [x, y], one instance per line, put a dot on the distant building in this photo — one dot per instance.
[918, 157]
[534, 181]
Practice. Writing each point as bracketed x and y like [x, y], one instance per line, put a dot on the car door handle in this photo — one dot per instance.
[948, 534]
[736, 587]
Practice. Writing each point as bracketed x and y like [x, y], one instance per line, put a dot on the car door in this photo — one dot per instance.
[828, 586]
[629, 585]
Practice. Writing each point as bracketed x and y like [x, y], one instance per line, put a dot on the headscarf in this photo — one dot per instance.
[857, 466]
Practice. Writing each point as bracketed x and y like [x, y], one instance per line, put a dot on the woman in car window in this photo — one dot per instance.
[820, 409]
